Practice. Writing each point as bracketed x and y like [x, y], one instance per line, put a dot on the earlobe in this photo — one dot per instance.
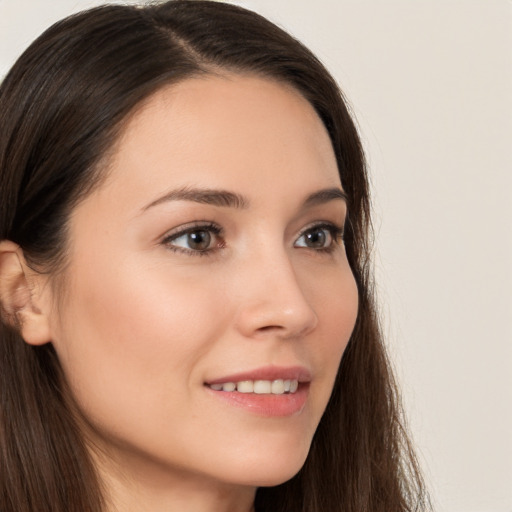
[18, 298]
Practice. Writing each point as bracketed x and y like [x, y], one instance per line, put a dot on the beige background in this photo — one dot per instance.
[430, 83]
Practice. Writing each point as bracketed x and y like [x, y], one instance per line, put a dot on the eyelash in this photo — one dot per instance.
[214, 229]
[335, 232]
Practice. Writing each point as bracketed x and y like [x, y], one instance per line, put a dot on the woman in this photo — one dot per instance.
[187, 315]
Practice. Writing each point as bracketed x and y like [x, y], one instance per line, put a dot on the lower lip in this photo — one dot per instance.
[269, 405]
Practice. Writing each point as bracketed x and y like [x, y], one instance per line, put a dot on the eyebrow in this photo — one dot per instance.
[202, 195]
[324, 196]
[228, 199]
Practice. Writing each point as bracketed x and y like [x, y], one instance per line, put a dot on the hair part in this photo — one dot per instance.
[62, 109]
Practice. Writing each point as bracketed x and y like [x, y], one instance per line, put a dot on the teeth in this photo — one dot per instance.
[229, 386]
[246, 386]
[259, 387]
[278, 387]
[262, 387]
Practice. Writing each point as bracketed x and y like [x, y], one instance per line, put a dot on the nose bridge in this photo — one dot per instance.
[273, 299]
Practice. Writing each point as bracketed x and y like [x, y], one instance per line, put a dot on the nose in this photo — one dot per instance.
[272, 300]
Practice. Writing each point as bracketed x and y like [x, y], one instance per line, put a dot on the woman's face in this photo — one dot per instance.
[208, 296]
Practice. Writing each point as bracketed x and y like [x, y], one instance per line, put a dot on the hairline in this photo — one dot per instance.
[103, 168]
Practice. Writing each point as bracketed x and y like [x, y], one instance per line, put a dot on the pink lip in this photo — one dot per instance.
[267, 373]
[267, 405]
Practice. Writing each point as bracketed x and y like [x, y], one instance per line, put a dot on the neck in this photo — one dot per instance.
[131, 488]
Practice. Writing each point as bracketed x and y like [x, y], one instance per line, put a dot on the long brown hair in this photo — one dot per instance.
[61, 108]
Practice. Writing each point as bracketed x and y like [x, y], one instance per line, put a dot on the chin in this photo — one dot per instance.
[273, 478]
[268, 471]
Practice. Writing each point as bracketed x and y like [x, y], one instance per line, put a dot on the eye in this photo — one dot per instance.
[196, 239]
[321, 237]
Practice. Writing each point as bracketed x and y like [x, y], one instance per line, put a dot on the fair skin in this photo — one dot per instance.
[172, 287]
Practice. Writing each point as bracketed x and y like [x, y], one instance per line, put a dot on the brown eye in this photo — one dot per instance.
[199, 240]
[319, 237]
[195, 240]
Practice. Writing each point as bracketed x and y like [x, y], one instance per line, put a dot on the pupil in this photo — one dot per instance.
[199, 240]
[315, 238]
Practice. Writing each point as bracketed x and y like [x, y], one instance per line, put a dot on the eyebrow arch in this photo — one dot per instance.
[324, 196]
[202, 195]
[230, 199]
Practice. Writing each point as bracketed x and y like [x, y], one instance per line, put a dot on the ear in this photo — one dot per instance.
[20, 295]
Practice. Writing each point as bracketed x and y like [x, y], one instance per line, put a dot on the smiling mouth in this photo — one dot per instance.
[259, 387]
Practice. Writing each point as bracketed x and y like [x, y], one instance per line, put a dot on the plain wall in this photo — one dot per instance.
[430, 83]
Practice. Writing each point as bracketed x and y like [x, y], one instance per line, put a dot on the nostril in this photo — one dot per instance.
[284, 332]
[283, 312]
[270, 328]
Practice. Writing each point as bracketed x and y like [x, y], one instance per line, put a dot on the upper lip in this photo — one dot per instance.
[299, 373]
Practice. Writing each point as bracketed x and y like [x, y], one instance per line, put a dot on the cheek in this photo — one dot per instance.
[341, 308]
[337, 307]
[130, 335]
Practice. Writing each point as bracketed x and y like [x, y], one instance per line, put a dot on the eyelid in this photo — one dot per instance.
[190, 226]
[336, 232]
[185, 229]
[326, 224]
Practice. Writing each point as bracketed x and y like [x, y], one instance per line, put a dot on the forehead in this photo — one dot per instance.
[221, 114]
[248, 134]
